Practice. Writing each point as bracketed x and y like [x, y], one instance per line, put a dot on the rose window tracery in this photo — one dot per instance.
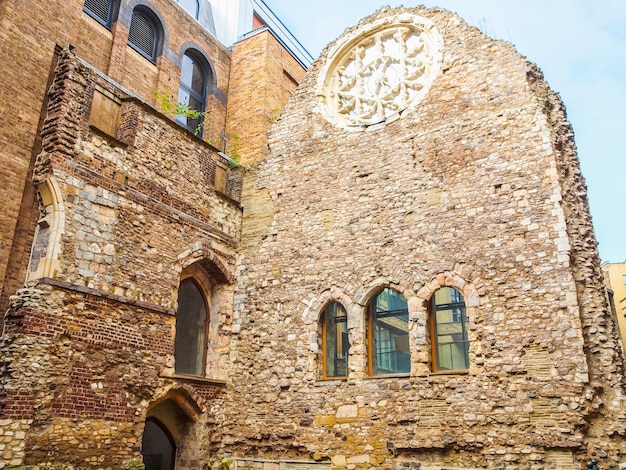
[377, 74]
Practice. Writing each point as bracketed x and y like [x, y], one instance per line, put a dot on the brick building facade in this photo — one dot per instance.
[403, 274]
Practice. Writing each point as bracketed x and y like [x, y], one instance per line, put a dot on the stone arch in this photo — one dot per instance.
[46, 250]
[182, 398]
[175, 412]
[204, 255]
[364, 295]
[315, 306]
[402, 342]
[458, 279]
[312, 318]
[216, 283]
[451, 279]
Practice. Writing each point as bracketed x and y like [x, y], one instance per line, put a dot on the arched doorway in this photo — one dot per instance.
[157, 446]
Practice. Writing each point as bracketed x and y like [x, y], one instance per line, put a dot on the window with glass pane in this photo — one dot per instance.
[335, 340]
[190, 6]
[388, 330]
[449, 330]
[192, 93]
[191, 325]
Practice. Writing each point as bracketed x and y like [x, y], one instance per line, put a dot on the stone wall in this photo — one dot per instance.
[30, 33]
[88, 345]
[477, 188]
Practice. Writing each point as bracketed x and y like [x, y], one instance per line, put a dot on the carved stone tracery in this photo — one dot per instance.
[379, 72]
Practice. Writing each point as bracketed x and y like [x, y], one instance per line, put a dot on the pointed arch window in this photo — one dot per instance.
[388, 334]
[100, 10]
[143, 35]
[450, 344]
[335, 343]
[191, 329]
[192, 91]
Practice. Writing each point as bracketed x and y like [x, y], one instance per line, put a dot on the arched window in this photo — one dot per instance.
[388, 334]
[335, 343]
[191, 329]
[143, 35]
[190, 6]
[157, 446]
[450, 345]
[100, 10]
[192, 91]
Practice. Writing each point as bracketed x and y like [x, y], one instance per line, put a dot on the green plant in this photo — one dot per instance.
[273, 116]
[235, 156]
[169, 106]
[226, 463]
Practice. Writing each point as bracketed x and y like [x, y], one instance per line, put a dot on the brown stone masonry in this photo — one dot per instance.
[477, 187]
[91, 338]
[406, 277]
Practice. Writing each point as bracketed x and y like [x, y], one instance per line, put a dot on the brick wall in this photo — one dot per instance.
[263, 77]
[91, 340]
[30, 32]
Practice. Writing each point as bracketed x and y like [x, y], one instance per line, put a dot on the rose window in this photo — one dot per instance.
[373, 77]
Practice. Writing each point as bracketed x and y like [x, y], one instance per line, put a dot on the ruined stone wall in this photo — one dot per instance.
[88, 345]
[476, 188]
[30, 32]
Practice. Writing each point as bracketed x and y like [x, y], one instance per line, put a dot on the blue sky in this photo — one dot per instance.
[580, 45]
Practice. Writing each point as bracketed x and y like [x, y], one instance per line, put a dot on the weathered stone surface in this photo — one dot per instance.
[476, 186]
[88, 345]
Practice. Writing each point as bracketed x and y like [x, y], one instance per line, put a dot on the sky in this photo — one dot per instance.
[580, 45]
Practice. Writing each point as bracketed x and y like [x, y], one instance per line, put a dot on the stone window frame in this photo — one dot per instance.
[332, 81]
[46, 249]
[153, 22]
[417, 294]
[112, 9]
[312, 318]
[369, 328]
[323, 334]
[471, 288]
[216, 280]
[432, 319]
[204, 287]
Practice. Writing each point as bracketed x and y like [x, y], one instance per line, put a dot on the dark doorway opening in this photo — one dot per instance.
[157, 446]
